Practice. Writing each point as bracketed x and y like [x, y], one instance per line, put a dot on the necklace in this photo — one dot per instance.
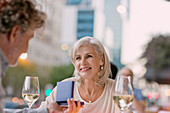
[90, 97]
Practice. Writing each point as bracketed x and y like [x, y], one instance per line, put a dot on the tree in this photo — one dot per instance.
[61, 72]
[15, 75]
[157, 54]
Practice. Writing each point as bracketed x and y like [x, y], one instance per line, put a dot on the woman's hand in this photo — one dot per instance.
[72, 108]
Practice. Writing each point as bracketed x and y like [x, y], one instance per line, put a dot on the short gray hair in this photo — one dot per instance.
[105, 72]
[22, 13]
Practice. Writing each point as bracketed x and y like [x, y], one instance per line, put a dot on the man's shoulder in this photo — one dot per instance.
[138, 94]
[136, 90]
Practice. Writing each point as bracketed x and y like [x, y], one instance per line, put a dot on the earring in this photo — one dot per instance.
[101, 67]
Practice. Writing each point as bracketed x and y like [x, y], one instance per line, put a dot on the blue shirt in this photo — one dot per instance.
[3, 66]
[138, 94]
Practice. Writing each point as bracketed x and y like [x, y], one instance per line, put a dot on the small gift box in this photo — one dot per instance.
[65, 91]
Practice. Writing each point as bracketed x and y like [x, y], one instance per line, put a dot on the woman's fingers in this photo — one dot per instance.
[78, 104]
[74, 104]
[70, 106]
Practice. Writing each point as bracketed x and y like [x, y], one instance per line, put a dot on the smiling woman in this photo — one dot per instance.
[92, 85]
[91, 45]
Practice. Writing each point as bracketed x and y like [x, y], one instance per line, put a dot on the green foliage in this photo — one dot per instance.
[61, 72]
[157, 52]
[15, 75]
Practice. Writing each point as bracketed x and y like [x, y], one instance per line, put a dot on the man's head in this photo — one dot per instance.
[18, 21]
[126, 72]
[114, 70]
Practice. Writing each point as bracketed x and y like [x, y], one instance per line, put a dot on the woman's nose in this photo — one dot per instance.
[83, 61]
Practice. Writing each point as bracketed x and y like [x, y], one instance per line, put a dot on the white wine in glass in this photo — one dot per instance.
[123, 92]
[30, 90]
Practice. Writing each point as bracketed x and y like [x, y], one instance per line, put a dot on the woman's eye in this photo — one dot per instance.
[88, 56]
[77, 58]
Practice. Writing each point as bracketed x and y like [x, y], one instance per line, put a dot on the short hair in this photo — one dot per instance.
[114, 70]
[105, 72]
[131, 72]
[22, 13]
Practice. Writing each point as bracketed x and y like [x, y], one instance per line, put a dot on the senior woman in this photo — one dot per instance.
[92, 85]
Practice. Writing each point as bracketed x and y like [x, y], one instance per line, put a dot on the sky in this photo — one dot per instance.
[147, 18]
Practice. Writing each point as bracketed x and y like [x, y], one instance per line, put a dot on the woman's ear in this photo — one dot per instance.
[14, 33]
[102, 60]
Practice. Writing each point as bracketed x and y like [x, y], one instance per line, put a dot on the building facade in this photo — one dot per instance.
[45, 47]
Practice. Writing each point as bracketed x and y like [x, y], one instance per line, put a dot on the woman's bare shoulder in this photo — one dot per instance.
[70, 79]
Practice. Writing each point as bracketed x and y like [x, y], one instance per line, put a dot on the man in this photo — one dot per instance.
[18, 21]
[114, 70]
[138, 100]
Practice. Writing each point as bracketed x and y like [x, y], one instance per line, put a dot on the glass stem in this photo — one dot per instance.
[29, 105]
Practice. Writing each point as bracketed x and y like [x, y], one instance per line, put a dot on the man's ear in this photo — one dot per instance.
[14, 33]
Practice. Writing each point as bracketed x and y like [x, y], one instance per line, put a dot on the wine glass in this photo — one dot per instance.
[30, 90]
[123, 92]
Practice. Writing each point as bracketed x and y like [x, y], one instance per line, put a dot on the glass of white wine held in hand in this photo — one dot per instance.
[123, 92]
[30, 90]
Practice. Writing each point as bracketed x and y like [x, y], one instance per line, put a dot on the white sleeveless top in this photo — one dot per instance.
[104, 104]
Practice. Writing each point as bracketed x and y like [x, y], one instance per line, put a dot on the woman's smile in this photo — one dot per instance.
[84, 69]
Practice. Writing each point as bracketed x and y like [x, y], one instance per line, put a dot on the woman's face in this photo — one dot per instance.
[87, 61]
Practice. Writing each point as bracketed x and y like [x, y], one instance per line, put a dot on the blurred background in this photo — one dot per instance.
[135, 33]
